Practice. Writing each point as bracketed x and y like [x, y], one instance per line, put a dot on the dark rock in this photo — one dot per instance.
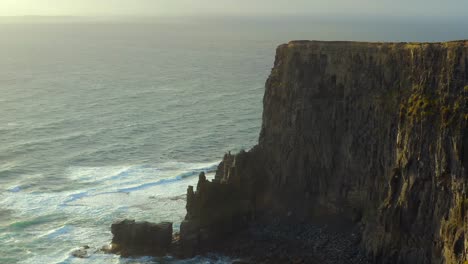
[81, 252]
[362, 158]
[141, 238]
[215, 210]
[189, 238]
[355, 134]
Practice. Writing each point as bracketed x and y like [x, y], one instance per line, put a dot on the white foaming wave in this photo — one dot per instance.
[177, 165]
[58, 232]
[96, 174]
[116, 181]
[103, 195]
[127, 179]
[27, 204]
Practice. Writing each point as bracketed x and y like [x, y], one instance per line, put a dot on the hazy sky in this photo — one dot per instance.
[182, 7]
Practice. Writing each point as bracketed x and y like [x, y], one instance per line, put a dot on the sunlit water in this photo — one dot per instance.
[104, 120]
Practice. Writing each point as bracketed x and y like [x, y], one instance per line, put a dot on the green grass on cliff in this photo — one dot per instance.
[421, 106]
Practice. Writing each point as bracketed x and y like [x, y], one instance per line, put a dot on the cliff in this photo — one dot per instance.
[373, 134]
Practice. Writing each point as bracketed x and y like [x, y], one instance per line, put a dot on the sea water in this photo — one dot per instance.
[107, 119]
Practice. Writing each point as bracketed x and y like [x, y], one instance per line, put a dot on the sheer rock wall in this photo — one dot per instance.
[371, 132]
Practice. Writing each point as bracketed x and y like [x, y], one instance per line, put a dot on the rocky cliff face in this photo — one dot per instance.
[373, 133]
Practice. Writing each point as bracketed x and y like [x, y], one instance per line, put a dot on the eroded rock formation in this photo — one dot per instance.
[141, 238]
[371, 132]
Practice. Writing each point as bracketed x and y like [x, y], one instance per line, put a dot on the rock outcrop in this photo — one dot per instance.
[82, 252]
[214, 211]
[141, 238]
[371, 133]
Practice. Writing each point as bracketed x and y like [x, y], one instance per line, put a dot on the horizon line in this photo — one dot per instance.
[328, 15]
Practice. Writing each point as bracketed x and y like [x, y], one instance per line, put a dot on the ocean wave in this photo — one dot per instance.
[35, 221]
[170, 180]
[97, 175]
[76, 196]
[19, 180]
[127, 179]
[63, 230]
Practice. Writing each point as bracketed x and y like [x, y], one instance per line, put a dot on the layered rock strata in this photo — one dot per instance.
[374, 134]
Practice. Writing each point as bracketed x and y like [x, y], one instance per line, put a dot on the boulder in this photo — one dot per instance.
[81, 252]
[141, 238]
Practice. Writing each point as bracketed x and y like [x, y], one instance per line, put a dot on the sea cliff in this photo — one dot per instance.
[373, 135]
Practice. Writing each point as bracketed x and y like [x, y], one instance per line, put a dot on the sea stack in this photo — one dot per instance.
[133, 238]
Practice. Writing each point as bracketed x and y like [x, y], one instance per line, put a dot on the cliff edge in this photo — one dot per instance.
[371, 134]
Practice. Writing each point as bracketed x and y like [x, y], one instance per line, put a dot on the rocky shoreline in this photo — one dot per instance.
[362, 158]
[287, 242]
[273, 241]
[266, 239]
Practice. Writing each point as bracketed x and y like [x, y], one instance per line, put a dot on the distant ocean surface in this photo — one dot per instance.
[103, 120]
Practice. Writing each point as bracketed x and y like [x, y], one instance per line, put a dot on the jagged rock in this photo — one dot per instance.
[371, 132]
[213, 211]
[369, 138]
[141, 238]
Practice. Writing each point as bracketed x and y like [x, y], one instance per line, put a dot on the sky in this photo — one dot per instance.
[439, 8]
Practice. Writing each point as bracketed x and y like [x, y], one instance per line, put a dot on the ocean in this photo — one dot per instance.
[110, 118]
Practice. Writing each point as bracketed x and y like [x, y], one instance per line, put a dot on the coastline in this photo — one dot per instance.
[348, 137]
